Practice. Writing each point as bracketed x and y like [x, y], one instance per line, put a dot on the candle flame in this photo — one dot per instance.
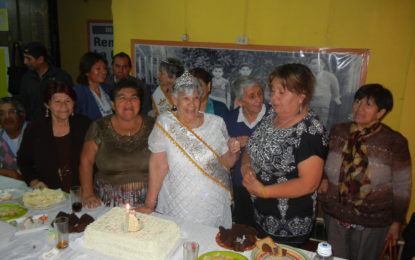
[127, 206]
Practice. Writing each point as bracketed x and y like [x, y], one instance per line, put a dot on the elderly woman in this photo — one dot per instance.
[207, 104]
[50, 149]
[93, 96]
[12, 121]
[241, 123]
[169, 70]
[191, 154]
[283, 162]
[117, 145]
[366, 192]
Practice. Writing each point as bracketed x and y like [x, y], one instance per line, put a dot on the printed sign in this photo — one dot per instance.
[101, 38]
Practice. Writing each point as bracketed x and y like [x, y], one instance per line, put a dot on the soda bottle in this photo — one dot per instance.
[323, 252]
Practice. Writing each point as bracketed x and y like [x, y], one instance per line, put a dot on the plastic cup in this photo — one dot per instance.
[190, 250]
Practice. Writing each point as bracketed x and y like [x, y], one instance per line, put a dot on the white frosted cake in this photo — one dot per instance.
[153, 242]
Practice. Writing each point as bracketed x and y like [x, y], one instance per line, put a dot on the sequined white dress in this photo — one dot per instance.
[186, 192]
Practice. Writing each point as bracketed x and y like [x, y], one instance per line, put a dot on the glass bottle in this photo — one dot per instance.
[323, 252]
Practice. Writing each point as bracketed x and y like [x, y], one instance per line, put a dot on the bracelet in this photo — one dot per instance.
[264, 192]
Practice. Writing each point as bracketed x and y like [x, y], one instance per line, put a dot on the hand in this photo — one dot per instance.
[243, 140]
[324, 186]
[91, 201]
[36, 184]
[251, 183]
[145, 209]
[337, 101]
[234, 145]
[394, 232]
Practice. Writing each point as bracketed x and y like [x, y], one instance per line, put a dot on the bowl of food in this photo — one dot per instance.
[43, 198]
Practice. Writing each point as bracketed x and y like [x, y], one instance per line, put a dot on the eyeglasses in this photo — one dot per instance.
[10, 112]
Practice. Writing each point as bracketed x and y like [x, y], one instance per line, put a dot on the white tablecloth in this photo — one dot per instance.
[32, 246]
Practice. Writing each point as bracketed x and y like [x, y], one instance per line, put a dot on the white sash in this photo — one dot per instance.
[160, 102]
[213, 168]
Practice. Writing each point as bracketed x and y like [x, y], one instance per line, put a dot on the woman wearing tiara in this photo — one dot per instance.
[191, 154]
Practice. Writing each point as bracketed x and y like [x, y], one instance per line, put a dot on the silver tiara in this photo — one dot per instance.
[185, 79]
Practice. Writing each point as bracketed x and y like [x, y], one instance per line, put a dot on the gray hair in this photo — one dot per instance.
[242, 83]
[186, 84]
[17, 105]
[172, 66]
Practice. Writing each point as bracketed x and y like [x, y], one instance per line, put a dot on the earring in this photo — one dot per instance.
[47, 113]
[301, 108]
[72, 114]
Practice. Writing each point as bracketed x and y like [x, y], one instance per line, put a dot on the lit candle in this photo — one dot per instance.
[126, 220]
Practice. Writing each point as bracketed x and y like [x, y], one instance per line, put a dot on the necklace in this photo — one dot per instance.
[133, 129]
[282, 124]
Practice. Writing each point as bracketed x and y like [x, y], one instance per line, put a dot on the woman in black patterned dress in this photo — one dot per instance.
[283, 163]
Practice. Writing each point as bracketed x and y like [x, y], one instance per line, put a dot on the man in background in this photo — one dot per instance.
[35, 80]
[12, 122]
[121, 68]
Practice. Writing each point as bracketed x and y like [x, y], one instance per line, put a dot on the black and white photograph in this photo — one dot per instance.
[338, 72]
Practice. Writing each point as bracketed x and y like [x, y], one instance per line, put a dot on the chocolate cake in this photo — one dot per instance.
[75, 224]
[239, 238]
[268, 245]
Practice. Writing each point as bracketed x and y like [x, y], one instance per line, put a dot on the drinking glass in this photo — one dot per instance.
[62, 234]
[76, 199]
[190, 250]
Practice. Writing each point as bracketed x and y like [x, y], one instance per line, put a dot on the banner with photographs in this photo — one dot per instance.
[338, 71]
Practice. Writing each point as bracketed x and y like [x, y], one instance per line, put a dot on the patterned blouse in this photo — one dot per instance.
[275, 154]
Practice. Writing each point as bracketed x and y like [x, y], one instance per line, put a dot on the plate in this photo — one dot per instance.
[17, 211]
[235, 256]
[53, 205]
[15, 193]
[39, 222]
[292, 254]
[219, 242]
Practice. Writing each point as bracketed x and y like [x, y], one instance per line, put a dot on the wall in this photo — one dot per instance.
[73, 17]
[386, 27]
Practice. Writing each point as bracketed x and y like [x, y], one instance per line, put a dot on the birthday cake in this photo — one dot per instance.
[153, 241]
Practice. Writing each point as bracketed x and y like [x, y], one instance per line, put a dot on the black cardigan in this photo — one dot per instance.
[38, 156]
